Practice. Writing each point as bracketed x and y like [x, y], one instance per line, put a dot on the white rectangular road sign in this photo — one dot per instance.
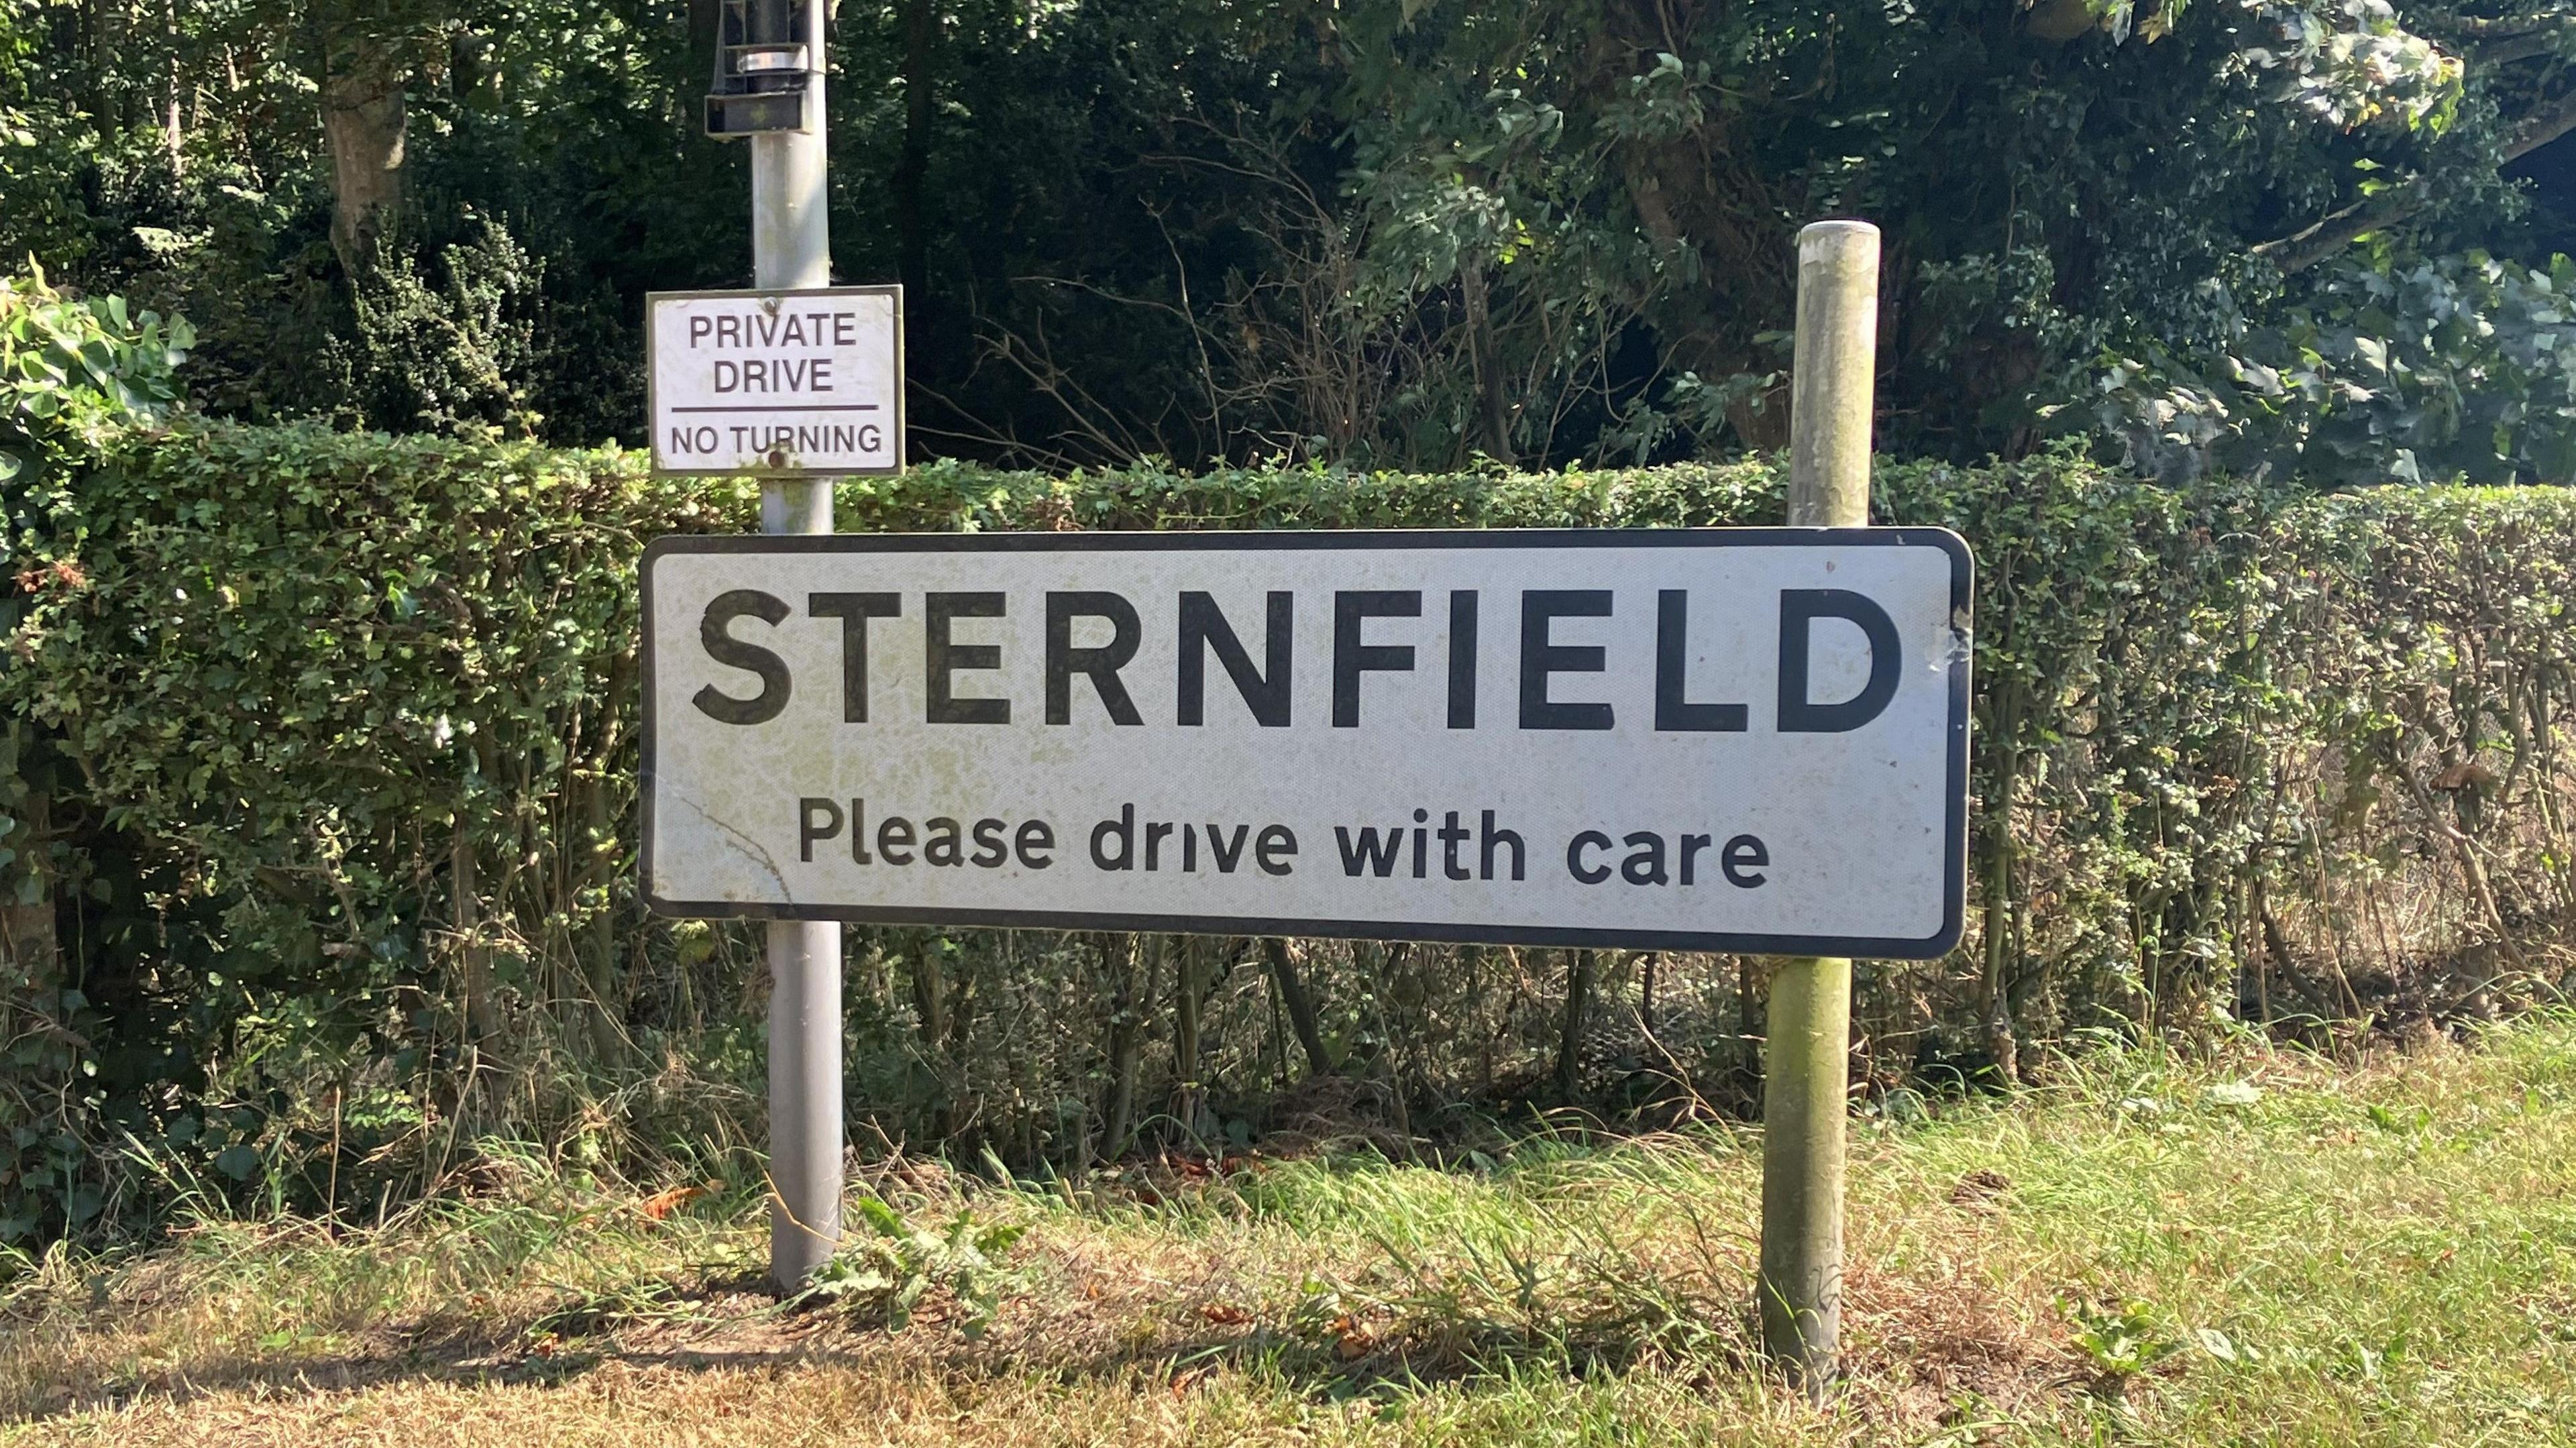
[1716, 739]
[777, 382]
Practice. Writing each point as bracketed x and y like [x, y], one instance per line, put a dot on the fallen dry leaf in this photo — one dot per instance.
[1980, 1188]
[662, 1204]
[2467, 774]
[1353, 1341]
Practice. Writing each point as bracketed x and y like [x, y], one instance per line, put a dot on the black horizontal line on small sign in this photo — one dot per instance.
[795, 407]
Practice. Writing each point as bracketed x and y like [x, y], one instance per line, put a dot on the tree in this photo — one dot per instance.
[365, 64]
[2058, 183]
[1386, 231]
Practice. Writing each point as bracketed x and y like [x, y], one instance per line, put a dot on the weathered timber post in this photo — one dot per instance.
[1806, 1079]
[791, 249]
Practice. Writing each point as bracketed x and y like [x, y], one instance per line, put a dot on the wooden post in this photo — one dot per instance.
[1806, 1080]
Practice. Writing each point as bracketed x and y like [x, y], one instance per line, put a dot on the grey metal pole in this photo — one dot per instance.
[1806, 1081]
[791, 247]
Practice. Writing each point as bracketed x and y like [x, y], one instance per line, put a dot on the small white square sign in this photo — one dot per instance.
[777, 382]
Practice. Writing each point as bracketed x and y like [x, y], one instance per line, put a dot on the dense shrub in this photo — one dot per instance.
[73, 374]
[352, 721]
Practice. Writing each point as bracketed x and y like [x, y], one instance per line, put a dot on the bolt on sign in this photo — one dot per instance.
[1718, 739]
[777, 382]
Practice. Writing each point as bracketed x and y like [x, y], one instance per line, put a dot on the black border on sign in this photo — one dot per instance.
[652, 396]
[1955, 862]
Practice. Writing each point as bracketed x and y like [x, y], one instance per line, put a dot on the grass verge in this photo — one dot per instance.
[2259, 1249]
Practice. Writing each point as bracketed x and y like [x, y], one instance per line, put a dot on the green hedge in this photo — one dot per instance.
[335, 735]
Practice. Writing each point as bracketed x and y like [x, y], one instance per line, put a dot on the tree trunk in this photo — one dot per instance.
[1139, 961]
[1189, 1102]
[912, 165]
[1494, 410]
[363, 117]
[706, 34]
[1578, 1004]
[30, 946]
[173, 135]
[611, 988]
[464, 917]
[1748, 1024]
[933, 1002]
[1301, 1010]
[1996, 1000]
[929, 990]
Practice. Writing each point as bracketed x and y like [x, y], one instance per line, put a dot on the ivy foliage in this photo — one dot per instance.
[387, 654]
[74, 375]
[72, 371]
[2463, 367]
[346, 817]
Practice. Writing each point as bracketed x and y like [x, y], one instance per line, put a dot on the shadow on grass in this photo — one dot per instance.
[730, 1324]
[1540, 1286]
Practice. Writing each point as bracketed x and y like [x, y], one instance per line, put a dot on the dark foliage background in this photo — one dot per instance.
[2248, 234]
